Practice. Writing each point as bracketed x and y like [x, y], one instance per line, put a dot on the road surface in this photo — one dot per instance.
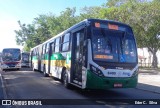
[26, 84]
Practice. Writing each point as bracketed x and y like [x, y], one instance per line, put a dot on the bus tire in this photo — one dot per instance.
[65, 79]
[44, 72]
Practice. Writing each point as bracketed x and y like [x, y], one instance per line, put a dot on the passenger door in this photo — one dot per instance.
[77, 56]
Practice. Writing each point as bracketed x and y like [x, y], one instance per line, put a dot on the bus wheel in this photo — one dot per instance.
[65, 79]
[44, 72]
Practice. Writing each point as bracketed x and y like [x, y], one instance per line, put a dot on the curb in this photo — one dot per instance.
[3, 87]
[4, 91]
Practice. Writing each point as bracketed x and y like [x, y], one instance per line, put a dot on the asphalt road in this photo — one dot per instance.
[26, 84]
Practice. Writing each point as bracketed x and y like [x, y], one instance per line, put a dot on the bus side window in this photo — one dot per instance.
[66, 42]
[40, 50]
[43, 49]
[34, 52]
[37, 52]
[47, 47]
[57, 44]
[53, 47]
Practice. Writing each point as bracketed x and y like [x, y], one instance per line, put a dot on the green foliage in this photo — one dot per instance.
[33, 34]
[90, 12]
[21, 34]
[25, 36]
[44, 27]
[64, 21]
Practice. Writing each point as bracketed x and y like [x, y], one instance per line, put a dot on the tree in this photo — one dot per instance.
[144, 17]
[44, 27]
[42, 32]
[24, 35]
[153, 40]
[148, 26]
[21, 34]
[89, 12]
[33, 34]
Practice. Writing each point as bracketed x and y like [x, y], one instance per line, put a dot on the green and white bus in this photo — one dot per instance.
[93, 54]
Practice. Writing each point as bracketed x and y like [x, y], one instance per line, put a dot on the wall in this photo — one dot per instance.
[145, 57]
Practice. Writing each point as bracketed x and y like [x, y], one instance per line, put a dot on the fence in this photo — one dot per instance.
[148, 65]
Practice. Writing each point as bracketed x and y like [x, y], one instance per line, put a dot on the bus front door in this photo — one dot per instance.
[77, 57]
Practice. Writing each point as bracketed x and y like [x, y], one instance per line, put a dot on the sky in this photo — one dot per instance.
[26, 10]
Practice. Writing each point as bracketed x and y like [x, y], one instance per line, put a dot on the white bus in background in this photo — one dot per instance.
[11, 58]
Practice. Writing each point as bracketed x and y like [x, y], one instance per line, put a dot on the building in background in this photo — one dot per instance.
[145, 57]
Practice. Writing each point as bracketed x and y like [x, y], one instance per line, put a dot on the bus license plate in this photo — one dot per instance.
[117, 85]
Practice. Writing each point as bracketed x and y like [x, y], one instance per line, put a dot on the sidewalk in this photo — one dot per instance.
[149, 80]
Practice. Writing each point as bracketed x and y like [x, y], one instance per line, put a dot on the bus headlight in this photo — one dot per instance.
[96, 71]
[135, 72]
[4, 65]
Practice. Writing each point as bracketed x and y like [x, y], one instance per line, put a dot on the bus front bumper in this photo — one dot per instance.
[10, 67]
[96, 82]
[25, 64]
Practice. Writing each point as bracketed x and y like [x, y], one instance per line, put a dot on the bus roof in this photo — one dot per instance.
[85, 22]
[109, 21]
[36, 47]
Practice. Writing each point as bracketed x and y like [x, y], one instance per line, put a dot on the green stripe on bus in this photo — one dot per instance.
[34, 58]
[57, 56]
[56, 60]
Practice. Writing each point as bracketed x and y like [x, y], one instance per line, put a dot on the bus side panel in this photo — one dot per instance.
[35, 62]
[58, 62]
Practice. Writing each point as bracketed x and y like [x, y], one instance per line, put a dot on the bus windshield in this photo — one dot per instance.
[113, 46]
[25, 57]
[11, 55]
